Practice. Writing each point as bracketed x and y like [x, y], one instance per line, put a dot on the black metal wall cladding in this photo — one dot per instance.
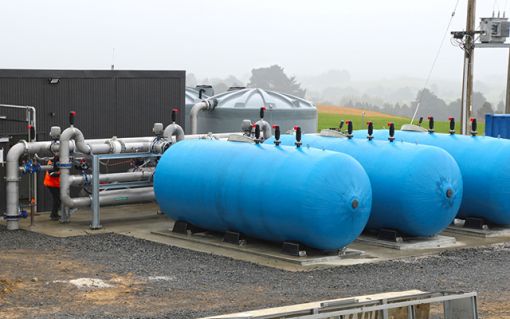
[108, 103]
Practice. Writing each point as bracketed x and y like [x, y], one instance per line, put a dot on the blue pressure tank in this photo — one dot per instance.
[417, 190]
[497, 125]
[318, 198]
[483, 162]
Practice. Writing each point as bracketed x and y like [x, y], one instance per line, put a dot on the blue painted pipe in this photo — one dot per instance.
[417, 190]
[483, 162]
[318, 198]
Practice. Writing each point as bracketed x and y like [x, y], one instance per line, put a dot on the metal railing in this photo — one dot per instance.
[402, 305]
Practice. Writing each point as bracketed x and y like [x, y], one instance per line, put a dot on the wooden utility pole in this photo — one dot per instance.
[507, 101]
[467, 80]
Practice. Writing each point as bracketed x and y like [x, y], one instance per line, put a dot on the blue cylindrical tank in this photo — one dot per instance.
[417, 190]
[318, 198]
[483, 162]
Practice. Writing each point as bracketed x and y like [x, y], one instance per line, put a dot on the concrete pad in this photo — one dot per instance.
[491, 232]
[264, 249]
[416, 243]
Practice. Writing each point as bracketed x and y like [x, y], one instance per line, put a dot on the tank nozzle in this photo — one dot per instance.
[174, 114]
[431, 124]
[298, 136]
[72, 115]
[370, 129]
[391, 126]
[257, 134]
[262, 110]
[276, 135]
[473, 126]
[341, 125]
[420, 121]
[452, 125]
[349, 129]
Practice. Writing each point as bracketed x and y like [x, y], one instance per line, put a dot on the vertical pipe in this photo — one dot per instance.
[35, 175]
[12, 188]
[95, 194]
[31, 181]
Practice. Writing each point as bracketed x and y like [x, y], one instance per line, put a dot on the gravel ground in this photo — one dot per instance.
[158, 281]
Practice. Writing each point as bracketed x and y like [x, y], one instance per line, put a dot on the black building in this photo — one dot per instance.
[107, 103]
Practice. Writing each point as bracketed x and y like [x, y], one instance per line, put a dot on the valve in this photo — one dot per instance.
[370, 129]
[391, 131]
[246, 127]
[298, 136]
[257, 133]
[31, 167]
[473, 126]
[262, 110]
[23, 214]
[174, 115]
[158, 129]
[349, 129]
[276, 135]
[341, 125]
[72, 115]
[81, 165]
[55, 133]
[420, 121]
[431, 124]
[451, 119]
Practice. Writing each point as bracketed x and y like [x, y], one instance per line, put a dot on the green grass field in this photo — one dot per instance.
[328, 120]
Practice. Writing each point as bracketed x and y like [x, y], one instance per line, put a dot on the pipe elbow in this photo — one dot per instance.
[209, 104]
[66, 199]
[15, 152]
[200, 106]
[174, 130]
[74, 133]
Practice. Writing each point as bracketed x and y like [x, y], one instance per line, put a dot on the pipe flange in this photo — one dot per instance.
[64, 165]
[25, 143]
[55, 147]
[22, 214]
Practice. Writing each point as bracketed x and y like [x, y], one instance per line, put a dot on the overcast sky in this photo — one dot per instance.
[370, 38]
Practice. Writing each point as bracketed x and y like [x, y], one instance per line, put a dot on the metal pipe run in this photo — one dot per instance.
[75, 180]
[118, 197]
[111, 146]
[200, 106]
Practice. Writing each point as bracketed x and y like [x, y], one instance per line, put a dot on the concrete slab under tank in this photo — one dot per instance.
[457, 228]
[144, 222]
[438, 241]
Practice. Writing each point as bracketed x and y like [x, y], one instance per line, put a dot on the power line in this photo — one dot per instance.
[435, 58]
